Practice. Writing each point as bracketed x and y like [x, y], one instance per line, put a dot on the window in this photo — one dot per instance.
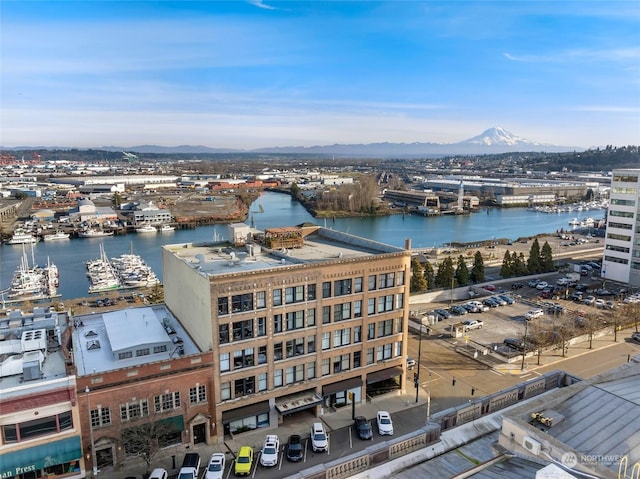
[142, 352]
[311, 344]
[357, 308]
[277, 351]
[243, 330]
[372, 282]
[134, 410]
[311, 292]
[100, 417]
[277, 378]
[43, 426]
[261, 299]
[295, 347]
[326, 314]
[371, 306]
[399, 300]
[385, 303]
[399, 324]
[294, 374]
[341, 337]
[294, 294]
[357, 284]
[357, 359]
[385, 328]
[383, 352]
[398, 351]
[159, 349]
[262, 326]
[621, 202]
[342, 287]
[225, 362]
[311, 370]
[243, 358]
[326, 366]
[326, 340]
[311, 317]
[223, 305]
[277, 297]
[341, 363]
[400, 278]
[167, 402]
[198, 394]
[370, 356]
[341, 312]
[262, 382]
[625, 178]
[326, 289]
[621, 214]
[618, 237]
[386, 280]
[277, 323]
[622, 226]
[242, 302]
[357, 334]
[619, 249]
[225, 391]
[125, 355]
[244, 386]
[262, 355]
[295, 320]
[223, 333]
[371, 331]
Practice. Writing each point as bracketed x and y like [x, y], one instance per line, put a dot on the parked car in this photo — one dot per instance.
[270, 451]
[215, 469]
[443, 312]
[516, 285]
[635, 337]
[507, 299]
[471, 324]
[295, 450]
[385, 424]
[190, 466]
[490, 302]
[577, 296]
[411, 363]
[244, 461]
[489, 287]
[533, 282]
[363, 428]
[600, 303]
[499, 300]
[533, 314]
[541, 285]
[589, 300]
[160, 473]
[458, 310]
[319, 440]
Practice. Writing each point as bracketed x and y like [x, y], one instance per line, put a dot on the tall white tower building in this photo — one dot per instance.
[621, 260]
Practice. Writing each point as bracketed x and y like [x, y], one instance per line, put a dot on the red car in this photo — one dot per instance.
[489, 287]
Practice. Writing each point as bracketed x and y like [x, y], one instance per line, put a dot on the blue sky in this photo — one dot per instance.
[269, 73]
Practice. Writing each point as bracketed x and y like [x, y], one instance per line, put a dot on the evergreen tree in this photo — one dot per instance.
[445, 274]
[418, 282]
[462, 272]
[477, 270]
[546, 258]
[506, 270]
[519, 264]
[429, 275]
[534, 263]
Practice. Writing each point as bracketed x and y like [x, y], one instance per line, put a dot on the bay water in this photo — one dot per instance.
[277, 210]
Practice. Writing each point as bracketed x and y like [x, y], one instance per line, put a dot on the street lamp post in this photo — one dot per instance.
[524, 344]
[94, 462]
[417, 375]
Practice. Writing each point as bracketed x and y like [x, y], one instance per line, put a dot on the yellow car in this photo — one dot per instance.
[244, 461]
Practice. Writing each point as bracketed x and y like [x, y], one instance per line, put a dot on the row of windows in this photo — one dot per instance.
[624, 226]
[294, 320]
[619, 190]
[306, 371]
[622, 214]
[299, 346]
[621, 202]
[613, 259]
[618, 237]
[296, 294]
[619, 249]
[101, 416]
[33, 428]
[625, 178]
[143, 352]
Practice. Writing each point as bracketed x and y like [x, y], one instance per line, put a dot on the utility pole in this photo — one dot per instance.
[416, 376]
[93, 446]
[524, 344]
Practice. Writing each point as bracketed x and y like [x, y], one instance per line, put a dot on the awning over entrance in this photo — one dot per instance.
[388, 373]
[342, 385]
[173, 424]
[37, 457]
[297, 402]
[245, 411]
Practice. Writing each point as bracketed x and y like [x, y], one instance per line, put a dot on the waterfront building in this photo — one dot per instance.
[622, 240]
[140, 378]
[39, 413]
[298, 318]
[147, 213]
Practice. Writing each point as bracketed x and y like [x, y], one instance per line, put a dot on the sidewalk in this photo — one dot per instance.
[301, 425]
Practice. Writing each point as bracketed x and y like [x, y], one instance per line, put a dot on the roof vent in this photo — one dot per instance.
[90, 333]
[93, 344]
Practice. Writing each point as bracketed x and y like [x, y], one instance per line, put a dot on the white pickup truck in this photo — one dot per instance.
[470, 324]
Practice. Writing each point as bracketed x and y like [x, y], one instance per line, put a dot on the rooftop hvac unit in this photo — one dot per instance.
[531, 445]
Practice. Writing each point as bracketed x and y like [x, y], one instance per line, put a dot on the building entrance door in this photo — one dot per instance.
[199, 433]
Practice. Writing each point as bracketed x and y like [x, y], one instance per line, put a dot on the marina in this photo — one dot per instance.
[31, 282]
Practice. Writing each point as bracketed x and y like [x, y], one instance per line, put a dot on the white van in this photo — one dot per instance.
[319, 440]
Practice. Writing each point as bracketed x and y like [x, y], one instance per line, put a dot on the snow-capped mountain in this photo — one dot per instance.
[499, 136]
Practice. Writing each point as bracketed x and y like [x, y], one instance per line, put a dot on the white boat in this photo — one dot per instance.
[133, 272]
[94, 233]
[102, 276]
[574, 222]
[57, 236]
[146, 229]
[22, 237]
[31, 282]
[167, 229]
[587, 222]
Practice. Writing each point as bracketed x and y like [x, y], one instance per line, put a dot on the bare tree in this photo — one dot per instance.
[146, 439]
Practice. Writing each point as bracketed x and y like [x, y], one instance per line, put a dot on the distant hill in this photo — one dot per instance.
[492, 141]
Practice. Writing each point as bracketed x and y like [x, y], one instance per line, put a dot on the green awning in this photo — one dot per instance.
[36, 457]
[173, 424]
